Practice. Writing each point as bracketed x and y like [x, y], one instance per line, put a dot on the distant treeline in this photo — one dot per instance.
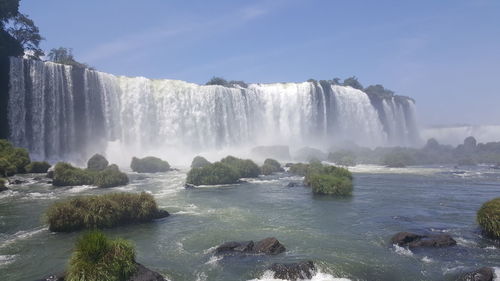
[468, 153]
[377, 90]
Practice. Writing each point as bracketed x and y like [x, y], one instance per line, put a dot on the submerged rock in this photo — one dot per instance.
[145, 274]
[17, 180]
[53, 277]
[293, 271]
[482, 274]
[292, 184]
[189, 186]
[413, 240]
[161, 214]
[268, 246]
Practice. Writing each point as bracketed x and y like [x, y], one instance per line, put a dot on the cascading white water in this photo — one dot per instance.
[56, 110]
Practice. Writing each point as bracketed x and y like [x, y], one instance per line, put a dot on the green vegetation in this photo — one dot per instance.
[488, 218]
[299, 169]
[101, 211]
[37, 167]
[18, 32]
[199, 162]
[324, 179]
[212, 174]
[97, 258]
[67, 175]
[353, 82]
[308, 153]
[149, 164]
[97, 163]
[398, 159]
[246, 168]
[342, 158]
[64, 55]
[223, 82]
[13, 160]
[271, 166]
[2, 185]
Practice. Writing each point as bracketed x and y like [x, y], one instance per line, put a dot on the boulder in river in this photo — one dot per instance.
[293, 271]
[482, 274]
[268, 246]
[413, 240]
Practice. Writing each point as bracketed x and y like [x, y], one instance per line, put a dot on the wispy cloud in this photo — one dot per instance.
[194, 30]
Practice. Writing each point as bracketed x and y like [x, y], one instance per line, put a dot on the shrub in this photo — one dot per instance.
[110, 177]
[149, 164]
[67, 175]
[299, 169]
[199, 162]
[398, 159]
[343, 158]
[309, 153]
[101, 211]
[97, 258]
[216, 173]
[271, 166]
[488, 218]
[37, 167]
[245, 168]
[12, 159]
[330, 184]
[97, 163]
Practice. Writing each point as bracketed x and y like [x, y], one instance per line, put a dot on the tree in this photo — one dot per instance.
[335, 81]
[353, 82]
[24, 30]
[217, 81]
[65, 56]
[8, 9]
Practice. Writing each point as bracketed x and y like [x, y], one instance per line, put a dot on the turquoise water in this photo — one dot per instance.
[346, 237]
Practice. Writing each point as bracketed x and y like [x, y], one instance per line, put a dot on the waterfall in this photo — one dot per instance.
[62, 112]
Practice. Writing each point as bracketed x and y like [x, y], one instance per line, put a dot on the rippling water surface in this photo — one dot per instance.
[346, 237]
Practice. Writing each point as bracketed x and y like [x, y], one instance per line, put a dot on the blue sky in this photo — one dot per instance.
[445, 54]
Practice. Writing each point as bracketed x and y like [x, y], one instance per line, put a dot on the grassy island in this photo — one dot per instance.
[102, 211]
[488, 218]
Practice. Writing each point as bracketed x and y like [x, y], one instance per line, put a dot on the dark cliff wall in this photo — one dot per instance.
[4, 97]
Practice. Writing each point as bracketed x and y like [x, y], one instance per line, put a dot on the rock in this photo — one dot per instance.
[189, 186]
[54, 277]
[241, 247]
[482, 274]
[293, 271]
[268, 246]
[50, 172]
[145, 274]
[161, 214]
[292, 184]
[413, 240]
[142, 274]
[15, 180]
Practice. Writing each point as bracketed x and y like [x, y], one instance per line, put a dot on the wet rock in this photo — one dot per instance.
[413, 240]
[189, 186]
[292, 184]
[482, 274]
[145, 274]
[293, 271]
[15, 180]
[54, 277]
[50, 172]
[268, 246]
[161, 214]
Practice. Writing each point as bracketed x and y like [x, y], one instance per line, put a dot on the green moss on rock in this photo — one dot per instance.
[271, 166]
[98, 258]
[102, 211]
[97, 163]
[149, 164]
[13, 160]
[67, 175]
[246, 168]
[212, 174]
[199, 162]
[488, 218]
[37, 167]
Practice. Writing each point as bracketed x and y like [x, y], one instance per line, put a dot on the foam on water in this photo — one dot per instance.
[22, 235]
[318, 276]
[7, 259]
[402, 251]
